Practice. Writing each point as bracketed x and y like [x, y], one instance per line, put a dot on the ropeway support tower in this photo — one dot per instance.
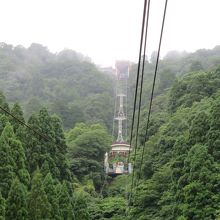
[116, 159]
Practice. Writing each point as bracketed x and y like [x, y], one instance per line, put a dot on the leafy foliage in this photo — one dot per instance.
[180, 175]
[62, 177]
[87, 146]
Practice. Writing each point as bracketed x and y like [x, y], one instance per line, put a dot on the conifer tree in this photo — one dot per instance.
[48, 147]
[33, 145]
[7, 164]
[50, 189]
[17, 155]
[18, 113]
[38, 205]
[18, 128]
[61, 149]
[64, 201]
[47, 129]
[16, 202]
[19, 158]
[2, 207]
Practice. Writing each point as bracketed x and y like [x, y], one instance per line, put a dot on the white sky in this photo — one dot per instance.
[107, 30]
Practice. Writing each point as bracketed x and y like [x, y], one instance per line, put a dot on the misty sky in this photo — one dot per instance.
[107, 30]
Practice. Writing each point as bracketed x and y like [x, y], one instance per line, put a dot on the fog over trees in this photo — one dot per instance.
[68, 99]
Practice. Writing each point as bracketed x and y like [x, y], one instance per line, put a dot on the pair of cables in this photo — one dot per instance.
[141, 67]
[40, 134]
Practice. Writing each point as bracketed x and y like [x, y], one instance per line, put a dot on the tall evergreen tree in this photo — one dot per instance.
[33, 145]
[65, 205]
[50, 189]
[61, 149]
[16, 202]
[38, 205]
[16, 151]
[47, 129]
[18, 128]
[48, 147]
[18, 113]
[19, 158]
[7, 164]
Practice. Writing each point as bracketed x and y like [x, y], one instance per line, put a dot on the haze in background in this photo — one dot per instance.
[107, 30]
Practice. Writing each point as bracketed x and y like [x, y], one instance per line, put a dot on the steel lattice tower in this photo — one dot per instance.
[115, 160]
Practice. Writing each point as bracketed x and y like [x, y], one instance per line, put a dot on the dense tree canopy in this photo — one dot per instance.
[59, 174]
[36, 77]
[180, 178]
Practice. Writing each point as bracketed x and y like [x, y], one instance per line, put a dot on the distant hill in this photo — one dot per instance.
[67, 83]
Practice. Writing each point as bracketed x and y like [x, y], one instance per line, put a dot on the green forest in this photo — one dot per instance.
[67, 83]
[68, 99]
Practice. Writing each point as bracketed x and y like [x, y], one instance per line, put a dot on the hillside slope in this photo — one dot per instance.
[67, 83]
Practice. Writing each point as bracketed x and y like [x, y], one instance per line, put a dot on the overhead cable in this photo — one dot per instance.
[45, 137]
[151, 97]
[153, 86]
[135, 96]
